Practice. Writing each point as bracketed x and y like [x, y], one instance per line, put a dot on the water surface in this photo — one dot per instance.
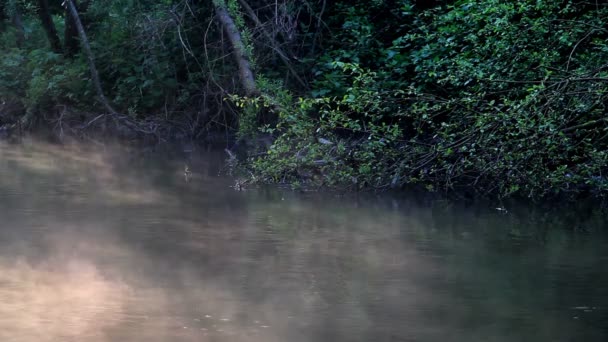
[106, 244]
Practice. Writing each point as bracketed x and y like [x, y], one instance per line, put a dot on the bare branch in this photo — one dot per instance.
[273, 42]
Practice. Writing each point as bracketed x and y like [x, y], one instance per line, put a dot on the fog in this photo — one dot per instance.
[115, 244]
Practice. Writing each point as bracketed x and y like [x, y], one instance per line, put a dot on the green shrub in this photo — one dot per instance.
[507, 98]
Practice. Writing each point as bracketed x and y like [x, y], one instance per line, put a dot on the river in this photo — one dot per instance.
[120, 244]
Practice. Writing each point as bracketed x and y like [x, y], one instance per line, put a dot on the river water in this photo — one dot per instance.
[113, 244]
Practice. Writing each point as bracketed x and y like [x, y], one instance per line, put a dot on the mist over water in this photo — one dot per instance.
[114, 244]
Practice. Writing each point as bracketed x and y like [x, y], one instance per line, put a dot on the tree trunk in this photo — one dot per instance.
[10, 10]
[3, 16]
[71, 40]
[90, 57]
[18, 23]
[240, 54]
[70, 34]
[84, 41]
[48, 25]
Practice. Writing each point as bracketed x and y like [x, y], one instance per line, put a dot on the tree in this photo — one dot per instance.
[46, 19]
[71, 8]
[9, 11]
[70, 34]
[18, 23]
[3, 16]
[240, 52]
[71, 40]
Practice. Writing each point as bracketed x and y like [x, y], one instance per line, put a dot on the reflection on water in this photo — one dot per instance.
[115, 245]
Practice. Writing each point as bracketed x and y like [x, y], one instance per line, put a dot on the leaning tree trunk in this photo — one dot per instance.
[3, 16]
[240, 53]
[70, 34]
[10, 10]
[84, 41]
[18, 23]
[48, 25]
[90, 57]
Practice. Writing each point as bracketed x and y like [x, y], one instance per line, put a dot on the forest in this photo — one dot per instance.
[488, 98]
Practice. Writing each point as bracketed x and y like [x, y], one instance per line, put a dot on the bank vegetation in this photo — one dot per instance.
[490, 98]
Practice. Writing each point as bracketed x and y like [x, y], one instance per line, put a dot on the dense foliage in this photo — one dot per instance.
[161, 61]
[500, 97]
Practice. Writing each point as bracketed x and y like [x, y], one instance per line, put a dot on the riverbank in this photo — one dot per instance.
[239, 158]
[374, 96]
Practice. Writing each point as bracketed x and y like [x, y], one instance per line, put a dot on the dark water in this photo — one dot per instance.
[101, 245]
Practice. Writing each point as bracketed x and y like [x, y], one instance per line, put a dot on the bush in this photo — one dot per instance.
[507, 98]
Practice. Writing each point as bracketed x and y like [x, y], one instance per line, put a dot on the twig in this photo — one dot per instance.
[586, 124]
[575, 46]
[272, 41]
